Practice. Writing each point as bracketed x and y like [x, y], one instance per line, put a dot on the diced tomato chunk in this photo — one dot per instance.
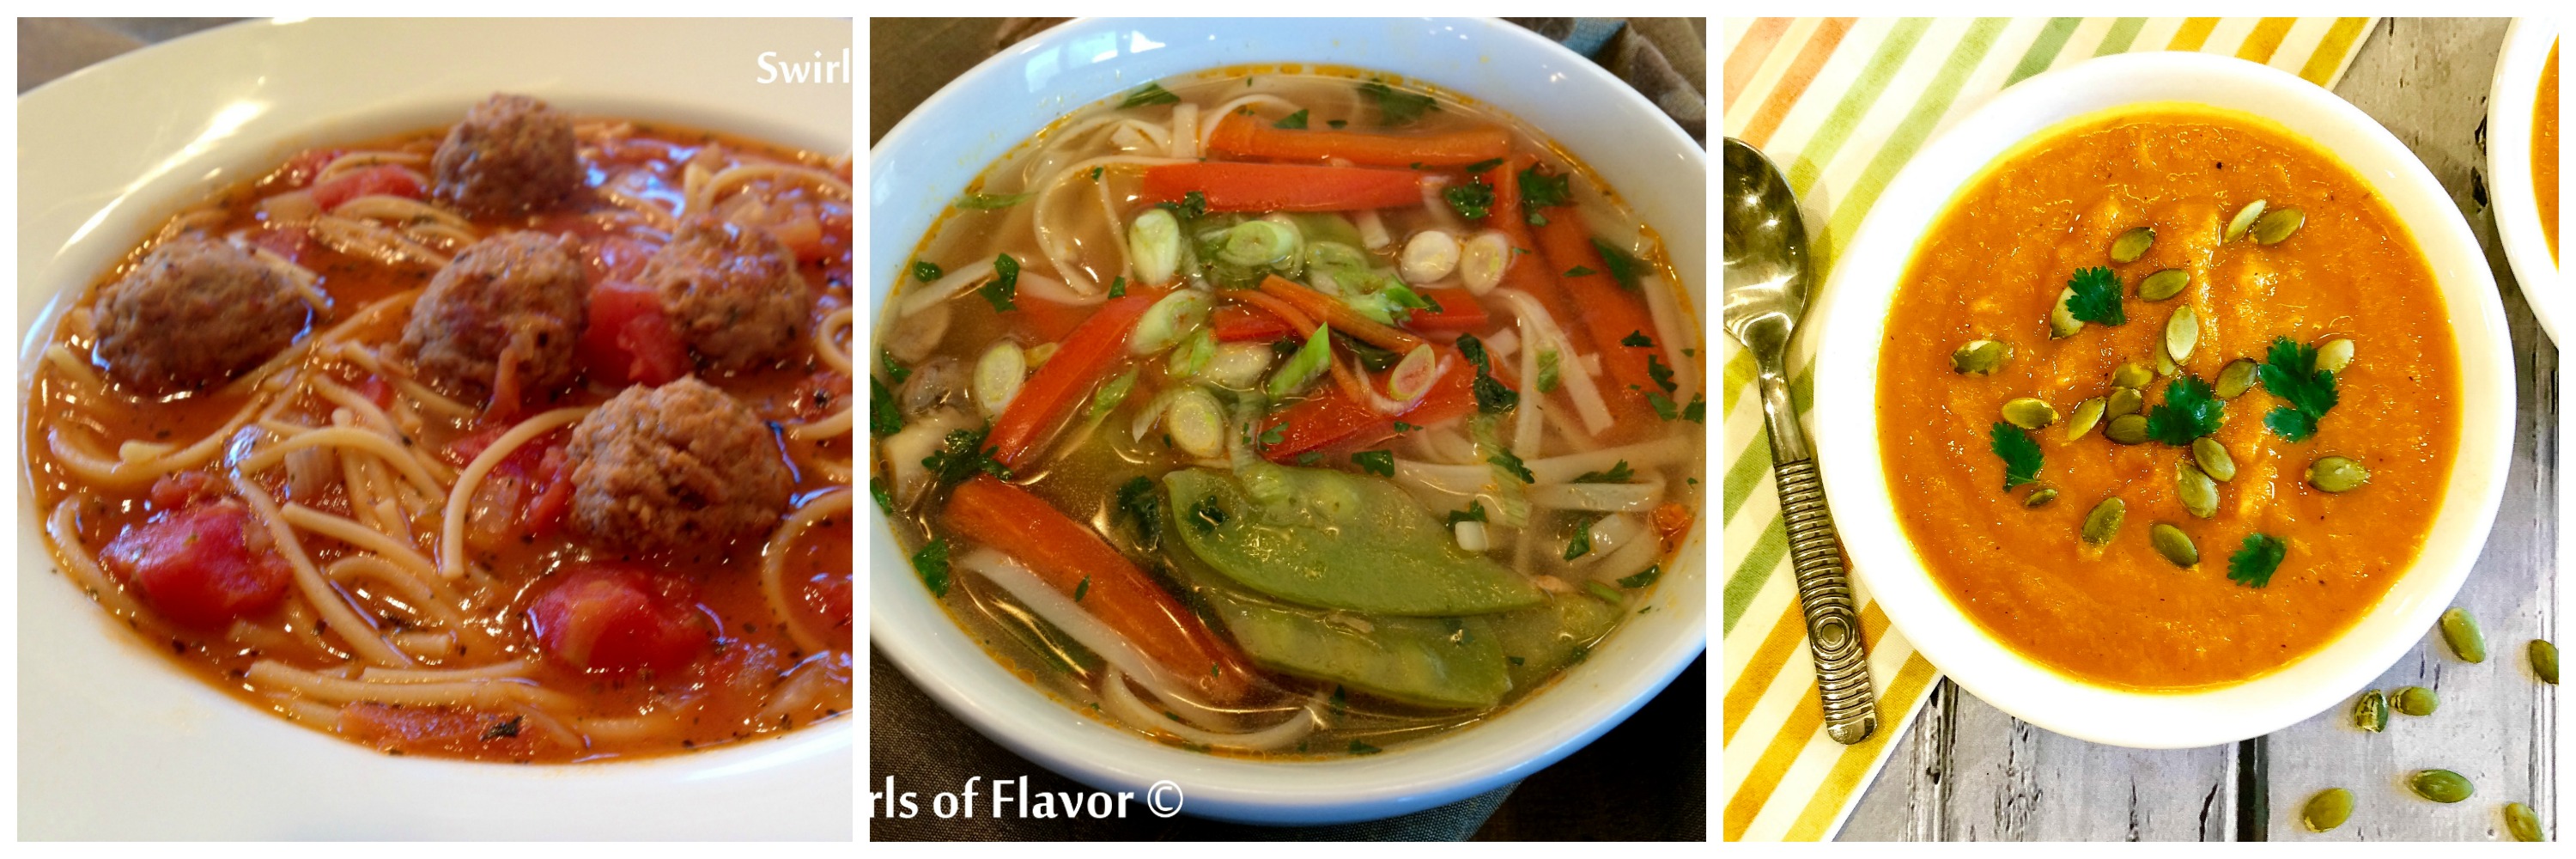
[629, 338]
[177, 489]
[300, 170]
[195, 565]
[452, 730]
[287, 241]
[380, 179]
[544, 514]
[615, 619]
[1236, 323]
[376, 390]
[615, 258]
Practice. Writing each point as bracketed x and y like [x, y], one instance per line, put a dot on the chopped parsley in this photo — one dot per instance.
[885, 500]
[1492, 396]
[884, 417]
[1118, 287]
[1580, 271]
[1697, 411]
[1475, 512]
[1137, 501]
[1540, 190]
[1581, 545]
[1337, 123]
[1402, 427]
[2188, 412]
[897, 372]
[1360, 748]
[1095, 174]
[1662, 375]
[1310, 458]
[1193, 204]
[1512, 465]
[1472, 201]
[1295, 121]
[963, 455]
[1149, 94]
[2254, 565]
[1270, 437]
[1377, 462]
[1617, 474]
[932, 563]
[1623, 267]
[1082, 590]
[1395, 106]
[2097, 296]
[991, 201]
[2291, 374]
[926, 271]
[2020, 454]
[1005, 285]
[1637, 339]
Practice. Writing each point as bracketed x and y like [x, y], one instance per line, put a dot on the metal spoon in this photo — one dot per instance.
[1766, 291]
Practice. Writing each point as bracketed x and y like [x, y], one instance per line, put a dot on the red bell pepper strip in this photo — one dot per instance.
[1087, 357]
[1236, 323]
[1244, 187]
[1459, 311]
[1331, 420]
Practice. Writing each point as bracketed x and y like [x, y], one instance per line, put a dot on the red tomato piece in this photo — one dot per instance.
[177, 489]
[381, 179]
[288, 242]
[300, 170]
[629, 338]
[195, 565]
[452, 730]
[614, 619]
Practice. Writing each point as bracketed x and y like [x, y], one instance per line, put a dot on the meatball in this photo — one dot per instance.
[681, 467]
[502, 320]
[512, 155]
[731, 292]
[193, 314]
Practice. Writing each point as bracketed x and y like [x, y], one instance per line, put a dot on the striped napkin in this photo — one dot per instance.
[1842, 104]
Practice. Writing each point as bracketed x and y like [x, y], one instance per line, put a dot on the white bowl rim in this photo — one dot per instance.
[1402, 780]
[2510, 184]
[1846, 418]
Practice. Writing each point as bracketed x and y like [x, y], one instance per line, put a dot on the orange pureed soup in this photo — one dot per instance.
[2544, 151]
[2009, 515]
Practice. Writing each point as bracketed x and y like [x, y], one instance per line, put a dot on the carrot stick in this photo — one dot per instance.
[1298, 322]
[1088, 355]
[1459, 311]
[1235, 323]
[1525, 271]
[1339, 315]
[1243, 187]
[1066, 555]
[1251, 138]
[1610, 312]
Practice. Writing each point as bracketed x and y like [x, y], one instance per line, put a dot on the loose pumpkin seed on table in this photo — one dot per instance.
[2125, 400]
[2198, 493]
[2417, 701]
[2334, 355]
[2235, 379]
[2337, 474]
[2524, 823]
[2126, 429]
[2244, 220]
[2087, 413]
[2175, 545]
[2182, 332]
[1980, 357]
[2029, 413]
[2277, 225]
[2326, 810]
[2544, 660]
[2440, 785]
[2213, 459]
[2104, 522]
[2164, 284]
[2371, 712]
[2460, 630]
[2131, 375]
[2132, 244]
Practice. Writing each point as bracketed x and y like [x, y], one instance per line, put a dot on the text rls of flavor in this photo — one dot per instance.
[1012, 797]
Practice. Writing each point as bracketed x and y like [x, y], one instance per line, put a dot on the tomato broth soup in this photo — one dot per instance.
[2170, 400]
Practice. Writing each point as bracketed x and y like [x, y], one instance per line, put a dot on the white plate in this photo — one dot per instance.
[2509, 185]
[925, 161]
[1847, 413]
[116, 742]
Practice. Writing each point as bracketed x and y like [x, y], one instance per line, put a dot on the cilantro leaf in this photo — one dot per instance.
[2189, 411]
[1310, 458]
[1512, 464]
[2290, 373]
[932, 563]
[1137, 500]
[2020, 454]
[1475, 512]
[1377, 462]
[1082, 590]
[2097, 296]
[1581, 545]
[1580, 271]
[1484, 166]
[1662, 375]
[1697, 411]
[1293, 121]
[1005, 285]
[1540, 190]
[1617, 474]
[885, 499]
[963, 455]
[1472, 201]
[1624, 267]
[1118, 287]
[897, 372]
[1637, 339]
[1395, 106]
[1149, 94]
[1643, 577]
[1206, 515]
[884, 417]
[2254, 565]
[926, 271]
[1492, 396]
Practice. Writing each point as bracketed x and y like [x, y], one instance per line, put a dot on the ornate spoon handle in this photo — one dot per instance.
[1824, 589]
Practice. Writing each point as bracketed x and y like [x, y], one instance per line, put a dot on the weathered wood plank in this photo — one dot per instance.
[2427, 82]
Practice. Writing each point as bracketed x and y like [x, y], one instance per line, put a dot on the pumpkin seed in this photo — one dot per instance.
[2029, 413]
[2164, 284]
[2175, 545]
[2130, 375]
[1980, 357]
[2198, 493]
[2244, 220]
[2544, 660]
[2522, 822]
[2334, 355]
[2164, 362]
[2182, 332]
[2125, 400]
[2040, 498]
[2337, 474]
[2327, 810]
[2416, 701]
[2126, 429]
[2440, 785]
[2235, 379]
[2062, 321]
[2087, 413]
[2132, 244]
[2104, 522]
[2371, 712]
[2213, 459]
[2460, 630]
[2276, 226]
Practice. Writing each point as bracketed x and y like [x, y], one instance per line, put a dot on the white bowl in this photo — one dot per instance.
[1855, 307]
[2509, 179]
[117, 742]
[928, 158]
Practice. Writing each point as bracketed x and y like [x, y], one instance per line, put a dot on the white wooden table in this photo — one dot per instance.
[1967, 771]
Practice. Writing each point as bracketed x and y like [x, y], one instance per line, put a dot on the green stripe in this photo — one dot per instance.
[1747, 471]
[2124, 32]
[1756, 569]
[1908, 136]
[2052, 39]
[1865, 90]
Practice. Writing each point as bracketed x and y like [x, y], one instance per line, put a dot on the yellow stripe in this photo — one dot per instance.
[1755, 679]
[1804, 721]
[1843, 783]
[2329, 56]
[2194, 33]
[2265, 40]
